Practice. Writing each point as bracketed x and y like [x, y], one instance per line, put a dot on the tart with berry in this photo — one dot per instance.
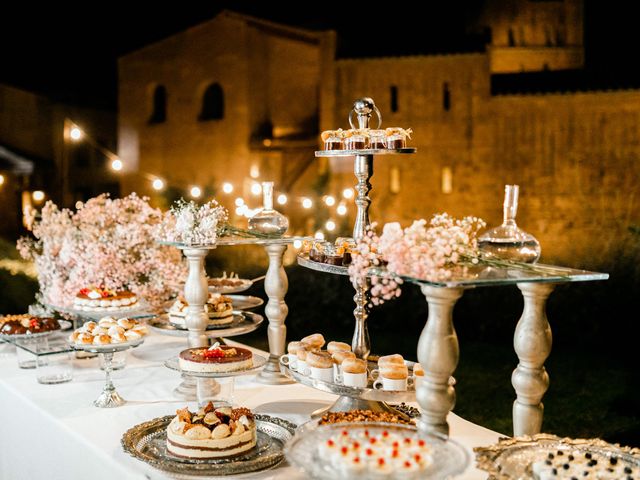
[218, 308]
[215, 359]
[103, 299]
[27, 325]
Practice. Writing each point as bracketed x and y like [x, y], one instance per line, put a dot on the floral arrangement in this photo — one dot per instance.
[105, 242]
[433, 251]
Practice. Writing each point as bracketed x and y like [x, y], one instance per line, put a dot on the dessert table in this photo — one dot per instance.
[54, 431]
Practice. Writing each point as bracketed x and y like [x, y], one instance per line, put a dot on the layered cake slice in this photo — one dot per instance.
[98, 298]
[211, 432]
[215, 359]
[218, 307]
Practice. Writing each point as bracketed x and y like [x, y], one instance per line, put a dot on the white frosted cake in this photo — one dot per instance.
[102, 299]
[218, 308]
[211, 433]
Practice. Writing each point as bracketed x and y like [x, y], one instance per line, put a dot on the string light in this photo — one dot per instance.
[227, 187]
[38, 195]
[256, 188]
[241, 209]
[239, 202]
[75, 133]
[341, 210]
[254, 171]
[347, 193]
[330, 225]
[1, 179]
[329, 200]
[319, 235]
[307, 203]
[297, 243]
[195, 191]
[116, 164]
[282, 199]
[157, 184]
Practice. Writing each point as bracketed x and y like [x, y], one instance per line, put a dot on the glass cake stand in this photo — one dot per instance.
[109, 398]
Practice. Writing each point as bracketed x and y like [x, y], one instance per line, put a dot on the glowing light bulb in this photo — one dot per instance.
[330, 201]
[75, 133]
[297, 243]
[38, 195]
[239, 202]
[195, 191]
[256, 189]
[282, 199]
[1, 179]
[319, 235]
[254, 171]
[341, 210]
[307, 203]
[347, 193]
[157, 184]
[330, 225]
[116, 164]
[227, 187]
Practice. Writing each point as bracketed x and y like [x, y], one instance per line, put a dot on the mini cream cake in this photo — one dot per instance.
[218, 307]
[215, 359]
[211, 433]
[101, 299]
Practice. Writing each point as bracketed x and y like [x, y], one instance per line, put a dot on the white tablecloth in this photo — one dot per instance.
[54, 432]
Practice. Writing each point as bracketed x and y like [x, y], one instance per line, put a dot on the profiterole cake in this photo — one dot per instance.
[102, 299]
[218, 307]
[215, 359]
[211, 432]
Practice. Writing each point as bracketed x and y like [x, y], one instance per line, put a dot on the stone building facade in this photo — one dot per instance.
[574, 154]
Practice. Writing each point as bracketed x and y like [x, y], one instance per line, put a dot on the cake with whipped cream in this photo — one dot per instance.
[98, 298]
[108, 330]
[376, 453]
[565, 465]
[215, 359]
[211, 432]
[218, 307]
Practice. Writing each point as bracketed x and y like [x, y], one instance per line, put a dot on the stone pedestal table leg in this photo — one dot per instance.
[438, 353]
[532, 343]
[275, 286]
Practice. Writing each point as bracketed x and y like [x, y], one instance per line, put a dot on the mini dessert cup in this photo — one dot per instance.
[333, 140]
[356, 140]
[378, 139]
[393, 384]
[397, 138]
[324, 374]
[358, 380]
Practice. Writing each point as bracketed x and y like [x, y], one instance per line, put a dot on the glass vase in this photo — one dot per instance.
[267, 220]
[508, 241]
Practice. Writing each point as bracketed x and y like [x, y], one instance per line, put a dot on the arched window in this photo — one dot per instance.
[512, 39]
[212, 103]
[446, 97]
[393, 92]
[159, 105]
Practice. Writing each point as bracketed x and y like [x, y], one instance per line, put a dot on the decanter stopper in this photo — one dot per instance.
[508, 241]
[267, 220]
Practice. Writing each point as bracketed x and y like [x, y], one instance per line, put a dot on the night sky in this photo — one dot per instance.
[68, 51]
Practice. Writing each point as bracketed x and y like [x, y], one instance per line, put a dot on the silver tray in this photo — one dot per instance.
[511, 458]
[258, 363]
[141, 310]
[245, 285]
[338, 389]
[64, 325]
[449, 457]
[147, 442]
[110, 348]
[244, 322]
[245, 302]
[369, 151]
[305, 261]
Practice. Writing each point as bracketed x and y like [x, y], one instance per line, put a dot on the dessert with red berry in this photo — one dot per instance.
[218, 308]
[211, 432]
[215, 359]
[103, 299]
[27, 325]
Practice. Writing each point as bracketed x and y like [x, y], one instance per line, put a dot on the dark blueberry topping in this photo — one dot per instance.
[554, 471]
[560, 453]
[613, 460]
[627, 469]
[585, 474]
[570, 457]
[587, 455]
[550, 456]
[548, 462]
[565, 466]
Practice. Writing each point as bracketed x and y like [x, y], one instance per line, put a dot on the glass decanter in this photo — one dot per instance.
[508, 241]
[268, 220]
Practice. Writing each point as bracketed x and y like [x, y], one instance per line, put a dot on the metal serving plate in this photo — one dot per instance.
[258, 363]
[147, 442]
[368, 393]
[243, 322]
[109, 348]
[245, 302]
[512, 458]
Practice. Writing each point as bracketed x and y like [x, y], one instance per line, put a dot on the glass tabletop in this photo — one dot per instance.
[43, 346]
[483, 275]
[231, 241]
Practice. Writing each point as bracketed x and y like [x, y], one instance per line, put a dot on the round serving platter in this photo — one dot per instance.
[512, 458]
[368, 393]
[64, 325]
[244, 285]
[140, 310]
[243, 322]
[109, 348]
[448, 456]
[147, 442]
[245, 302]
[258, 363]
